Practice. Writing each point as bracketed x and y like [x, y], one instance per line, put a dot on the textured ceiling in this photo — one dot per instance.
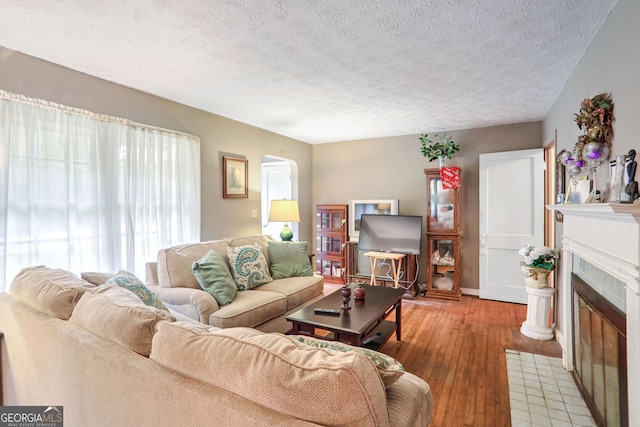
[323, 70]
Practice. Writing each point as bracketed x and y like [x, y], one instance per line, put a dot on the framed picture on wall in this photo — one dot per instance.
[235, 177]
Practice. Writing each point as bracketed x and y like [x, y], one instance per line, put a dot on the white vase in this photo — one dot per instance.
[617, 185]
[443, 161]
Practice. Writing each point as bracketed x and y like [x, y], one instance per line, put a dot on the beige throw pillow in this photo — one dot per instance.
[118, 315]
[174, 263]
[52, 291]
[96, 277]
[316, 385]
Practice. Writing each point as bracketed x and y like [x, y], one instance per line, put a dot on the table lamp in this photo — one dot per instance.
[284, 211]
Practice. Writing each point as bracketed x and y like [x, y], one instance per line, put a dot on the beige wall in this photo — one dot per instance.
[218, 136]
[610, 64]
[393, 168]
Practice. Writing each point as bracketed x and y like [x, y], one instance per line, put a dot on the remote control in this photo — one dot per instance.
[326, 311]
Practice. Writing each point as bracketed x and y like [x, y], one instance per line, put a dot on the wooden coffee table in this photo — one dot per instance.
[365, 325]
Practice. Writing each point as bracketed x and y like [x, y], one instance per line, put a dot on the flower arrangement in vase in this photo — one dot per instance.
[537, 262]
[444, 149]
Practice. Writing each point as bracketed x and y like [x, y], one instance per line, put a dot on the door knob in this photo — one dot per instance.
[483, 243]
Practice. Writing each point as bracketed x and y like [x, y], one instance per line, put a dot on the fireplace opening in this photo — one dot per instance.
[600, 354]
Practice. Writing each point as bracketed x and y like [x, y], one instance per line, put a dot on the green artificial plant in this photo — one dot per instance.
[445, 147]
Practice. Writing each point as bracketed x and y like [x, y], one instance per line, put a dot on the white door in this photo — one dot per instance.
[511, 215]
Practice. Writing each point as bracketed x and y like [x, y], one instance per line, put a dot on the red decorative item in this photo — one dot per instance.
[450, 177]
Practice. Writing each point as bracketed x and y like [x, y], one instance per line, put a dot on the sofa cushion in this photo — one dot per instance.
[129, 281]
[250, 308]
[212, 273]
[116, 314]
[296, 289]
[289, 259]
[52, 291]
[248, 266]
[316, 385]
[95, 277]
[174, 264]
[388, 367]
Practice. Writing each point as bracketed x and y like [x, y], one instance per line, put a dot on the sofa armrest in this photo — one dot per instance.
[410, 401]
[195, 303]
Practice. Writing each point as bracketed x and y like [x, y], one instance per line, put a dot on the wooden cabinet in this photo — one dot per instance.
[331, 236]
[443, 236]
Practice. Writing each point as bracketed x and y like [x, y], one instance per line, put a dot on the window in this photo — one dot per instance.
[86, 192]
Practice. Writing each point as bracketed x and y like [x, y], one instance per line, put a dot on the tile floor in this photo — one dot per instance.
[542, 393]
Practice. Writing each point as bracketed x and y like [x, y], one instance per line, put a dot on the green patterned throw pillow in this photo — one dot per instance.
[127, 280]
[248, 266]
[388, 367]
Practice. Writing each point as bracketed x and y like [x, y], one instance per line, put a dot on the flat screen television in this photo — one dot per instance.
[390, 233]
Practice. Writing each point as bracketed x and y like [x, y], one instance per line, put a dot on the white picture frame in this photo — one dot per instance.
[368, 206]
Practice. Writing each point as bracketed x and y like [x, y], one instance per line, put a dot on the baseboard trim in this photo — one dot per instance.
[470, 291]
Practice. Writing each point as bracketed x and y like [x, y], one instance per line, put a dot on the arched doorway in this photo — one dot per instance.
[279, 181]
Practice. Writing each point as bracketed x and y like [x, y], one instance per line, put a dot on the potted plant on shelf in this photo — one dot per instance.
[537, 262]
[442, 150]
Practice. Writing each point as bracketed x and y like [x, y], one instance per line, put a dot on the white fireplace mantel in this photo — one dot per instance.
[607, 235]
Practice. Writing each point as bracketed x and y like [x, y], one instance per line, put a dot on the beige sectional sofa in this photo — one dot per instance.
[108, 359]
[264, 307]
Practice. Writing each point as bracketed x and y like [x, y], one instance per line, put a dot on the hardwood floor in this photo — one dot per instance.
[458, 348]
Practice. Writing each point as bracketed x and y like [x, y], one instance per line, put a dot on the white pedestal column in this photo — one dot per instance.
[538, 310]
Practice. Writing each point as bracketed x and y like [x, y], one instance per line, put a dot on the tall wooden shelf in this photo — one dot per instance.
[331, 236]
[443, 236]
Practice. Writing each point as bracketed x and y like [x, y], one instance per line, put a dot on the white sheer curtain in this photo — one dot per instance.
[87, 192]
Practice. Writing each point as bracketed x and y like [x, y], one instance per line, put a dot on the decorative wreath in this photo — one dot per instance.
[595, 119]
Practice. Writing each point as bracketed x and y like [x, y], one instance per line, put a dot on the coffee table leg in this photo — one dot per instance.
[399, 320]
[295, 328]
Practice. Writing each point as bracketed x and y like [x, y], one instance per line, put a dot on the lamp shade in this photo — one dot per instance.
[284, 211]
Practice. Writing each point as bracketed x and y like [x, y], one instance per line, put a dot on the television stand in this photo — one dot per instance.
[396, 259]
